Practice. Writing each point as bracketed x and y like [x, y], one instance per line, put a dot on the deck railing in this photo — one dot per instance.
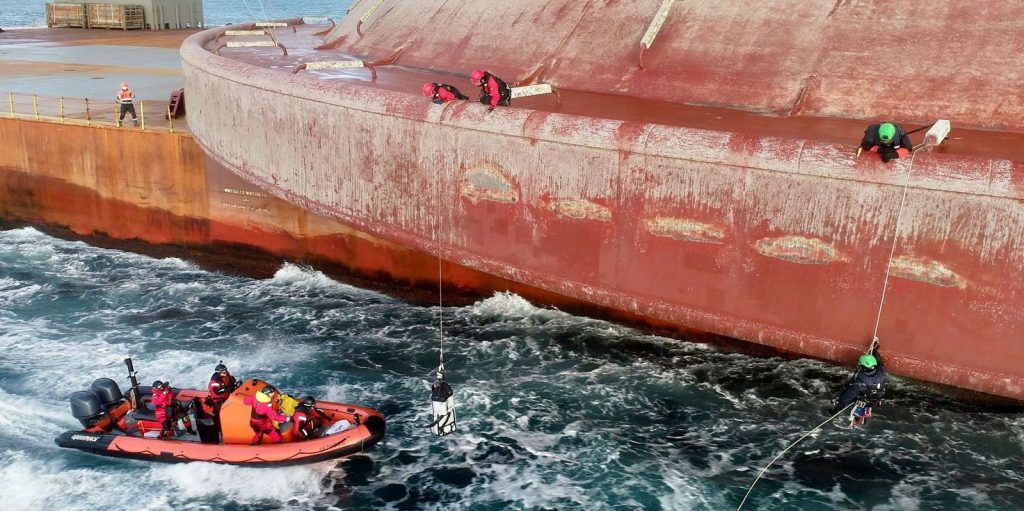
[90, 112]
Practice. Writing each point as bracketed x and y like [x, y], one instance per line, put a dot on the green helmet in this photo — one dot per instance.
[886, 132]
[868, 361]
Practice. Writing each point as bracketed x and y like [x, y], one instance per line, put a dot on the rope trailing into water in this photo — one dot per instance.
[765, 469]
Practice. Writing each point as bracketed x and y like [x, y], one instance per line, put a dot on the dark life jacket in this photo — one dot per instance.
[504, 92]
[313, 419]
[868, 385]
[227, 384]
[871, 139]
[440, 391]
[436, 98]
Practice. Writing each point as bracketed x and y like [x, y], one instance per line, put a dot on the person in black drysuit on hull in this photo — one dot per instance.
[888, 139]
[867, 384]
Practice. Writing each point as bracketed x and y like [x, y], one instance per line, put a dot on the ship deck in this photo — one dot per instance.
[90, 63]
[77, 63]
[301, 44]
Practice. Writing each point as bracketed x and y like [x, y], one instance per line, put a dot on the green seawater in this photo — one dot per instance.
[555, 411]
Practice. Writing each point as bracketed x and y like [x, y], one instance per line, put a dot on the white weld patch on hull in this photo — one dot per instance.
[801, 250]
[685, 229]
[926, 270]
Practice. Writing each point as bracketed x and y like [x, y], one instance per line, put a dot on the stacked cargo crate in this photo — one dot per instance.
[116, 16]
[60, 15]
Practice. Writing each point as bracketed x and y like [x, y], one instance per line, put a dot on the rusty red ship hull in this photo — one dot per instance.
[753, 232]
[749, 217]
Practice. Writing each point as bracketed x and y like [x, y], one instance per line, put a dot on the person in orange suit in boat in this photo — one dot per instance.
[263, 416]
[221, 385]
[493, 90]
[441, 93]
[166, 408]
[126, 100]
[308, 420]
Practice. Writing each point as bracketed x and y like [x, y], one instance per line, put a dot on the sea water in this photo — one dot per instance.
[556, 411]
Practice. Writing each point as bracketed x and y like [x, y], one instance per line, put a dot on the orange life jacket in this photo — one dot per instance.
[125, 96]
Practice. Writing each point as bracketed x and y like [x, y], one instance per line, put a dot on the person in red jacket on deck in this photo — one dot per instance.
[222, 384]
[493, 90]
[263, 415]
[441, 93]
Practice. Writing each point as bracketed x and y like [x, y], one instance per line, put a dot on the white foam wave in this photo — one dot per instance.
[32, 484]
[242, 485]
[178, 263]
[22, 234]
[32, 420]
[507, 305]
[14, 291]
[684, 492]
[308, 278]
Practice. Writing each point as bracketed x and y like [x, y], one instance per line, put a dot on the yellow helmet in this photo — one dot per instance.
[262, 398]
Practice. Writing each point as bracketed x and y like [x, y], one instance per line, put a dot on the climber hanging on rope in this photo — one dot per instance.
[865, 389]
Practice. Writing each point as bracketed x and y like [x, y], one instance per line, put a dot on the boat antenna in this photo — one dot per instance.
[134, 396]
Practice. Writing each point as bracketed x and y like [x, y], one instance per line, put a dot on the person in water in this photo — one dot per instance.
[167, 409]
[888, 139]
[222, 384]
[493, 90]
[308, 420]
[867, 384]
[263, 416]
[441, 93]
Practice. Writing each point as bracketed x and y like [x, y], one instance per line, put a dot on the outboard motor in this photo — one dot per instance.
[107, 391]
[86, 407]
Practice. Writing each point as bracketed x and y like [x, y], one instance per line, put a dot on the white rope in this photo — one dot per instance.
[270, 30]
[765, 469]
[273, 34]
[440, 286]
[440, 307]
[265, 18]
[892, 251]
[247, 8]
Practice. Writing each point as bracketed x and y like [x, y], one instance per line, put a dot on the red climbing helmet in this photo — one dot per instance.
[476, 76]
[428, 89]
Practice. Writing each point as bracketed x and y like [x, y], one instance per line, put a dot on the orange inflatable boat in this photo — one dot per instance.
[124, 426]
